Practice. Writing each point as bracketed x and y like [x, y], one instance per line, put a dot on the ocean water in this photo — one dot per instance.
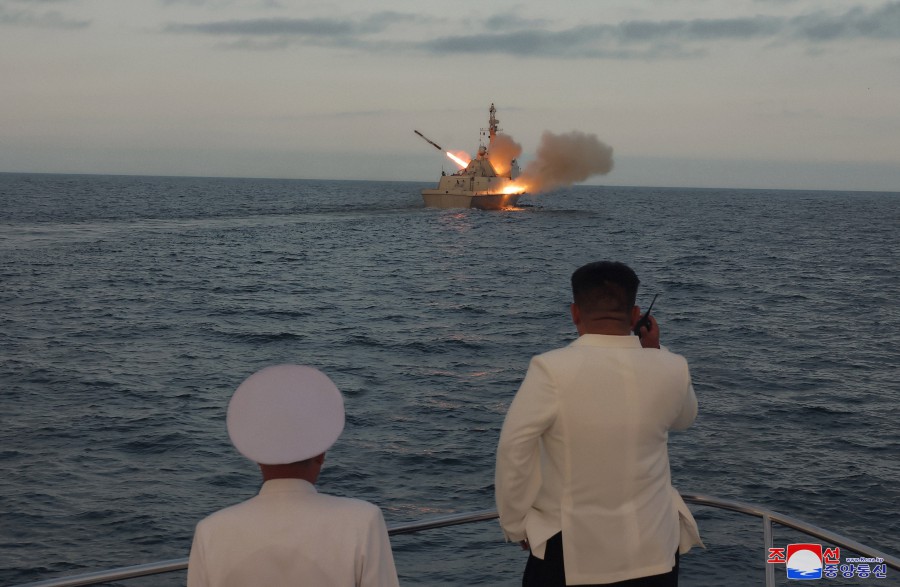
[133, 306]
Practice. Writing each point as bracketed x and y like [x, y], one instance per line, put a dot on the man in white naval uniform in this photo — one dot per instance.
[582, 476]
[284, 418]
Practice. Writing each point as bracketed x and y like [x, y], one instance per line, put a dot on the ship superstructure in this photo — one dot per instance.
[478, 184]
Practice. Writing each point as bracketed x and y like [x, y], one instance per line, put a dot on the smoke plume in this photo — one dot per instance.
[503, 150]
[565, 159]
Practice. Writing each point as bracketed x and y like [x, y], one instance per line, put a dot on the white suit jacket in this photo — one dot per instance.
[291, 535]
[584, 451]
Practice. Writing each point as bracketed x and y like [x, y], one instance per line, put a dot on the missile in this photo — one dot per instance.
[437, 146]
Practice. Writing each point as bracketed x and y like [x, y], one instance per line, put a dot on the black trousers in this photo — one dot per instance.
[551, 572]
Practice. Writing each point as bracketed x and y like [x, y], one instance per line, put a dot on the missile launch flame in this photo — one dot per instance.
[463, 163]
[516, 188]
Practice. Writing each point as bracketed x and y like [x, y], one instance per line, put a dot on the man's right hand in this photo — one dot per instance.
[650, 336]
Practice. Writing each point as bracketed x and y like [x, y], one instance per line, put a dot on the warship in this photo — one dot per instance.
[478, 184]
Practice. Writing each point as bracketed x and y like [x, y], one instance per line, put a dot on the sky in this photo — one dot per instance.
[789, 94]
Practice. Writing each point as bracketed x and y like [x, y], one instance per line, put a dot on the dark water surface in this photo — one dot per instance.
[133, 306]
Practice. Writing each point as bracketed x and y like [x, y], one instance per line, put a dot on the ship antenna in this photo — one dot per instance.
[493, 126]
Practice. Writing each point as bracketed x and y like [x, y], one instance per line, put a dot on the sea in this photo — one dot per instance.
[132, 307]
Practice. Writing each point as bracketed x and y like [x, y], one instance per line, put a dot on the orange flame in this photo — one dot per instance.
[515, 189]
[456, 159]
[501, 168]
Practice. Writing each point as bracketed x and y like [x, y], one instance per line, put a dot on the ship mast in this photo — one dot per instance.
[493, 126]
[493, 122]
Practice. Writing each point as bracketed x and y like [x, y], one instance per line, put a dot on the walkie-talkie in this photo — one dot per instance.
[644, 320]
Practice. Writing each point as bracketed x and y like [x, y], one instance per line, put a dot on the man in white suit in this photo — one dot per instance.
[582, 476]
[284, 418]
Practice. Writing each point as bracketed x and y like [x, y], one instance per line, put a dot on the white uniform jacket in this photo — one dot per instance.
[290, 534]
[584, 451]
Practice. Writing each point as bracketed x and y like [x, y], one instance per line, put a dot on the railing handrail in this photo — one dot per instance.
[179, 564]
[768, 516]
[795, 523]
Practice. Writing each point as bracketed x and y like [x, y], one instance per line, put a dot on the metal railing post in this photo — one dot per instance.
[768, 540]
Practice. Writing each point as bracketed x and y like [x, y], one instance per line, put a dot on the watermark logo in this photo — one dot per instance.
[805, 562]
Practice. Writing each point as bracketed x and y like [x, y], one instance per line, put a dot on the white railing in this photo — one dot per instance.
[768, 518]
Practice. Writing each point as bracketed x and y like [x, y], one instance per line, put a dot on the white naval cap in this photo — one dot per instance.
[284, 414]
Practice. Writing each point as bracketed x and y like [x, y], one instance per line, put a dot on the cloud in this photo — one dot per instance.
[649, 39]
[297, 27]
[27, 17]
[267, 27]
[567, 43]
[698, 30]
[506, 22]
[217, 3]
[189, 2]
[882, 23]
[522, 37]
[600, 41]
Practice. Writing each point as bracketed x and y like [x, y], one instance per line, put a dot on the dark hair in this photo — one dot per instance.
[605, 286]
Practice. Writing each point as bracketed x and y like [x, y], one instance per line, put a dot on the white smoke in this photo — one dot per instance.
[565, 159]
